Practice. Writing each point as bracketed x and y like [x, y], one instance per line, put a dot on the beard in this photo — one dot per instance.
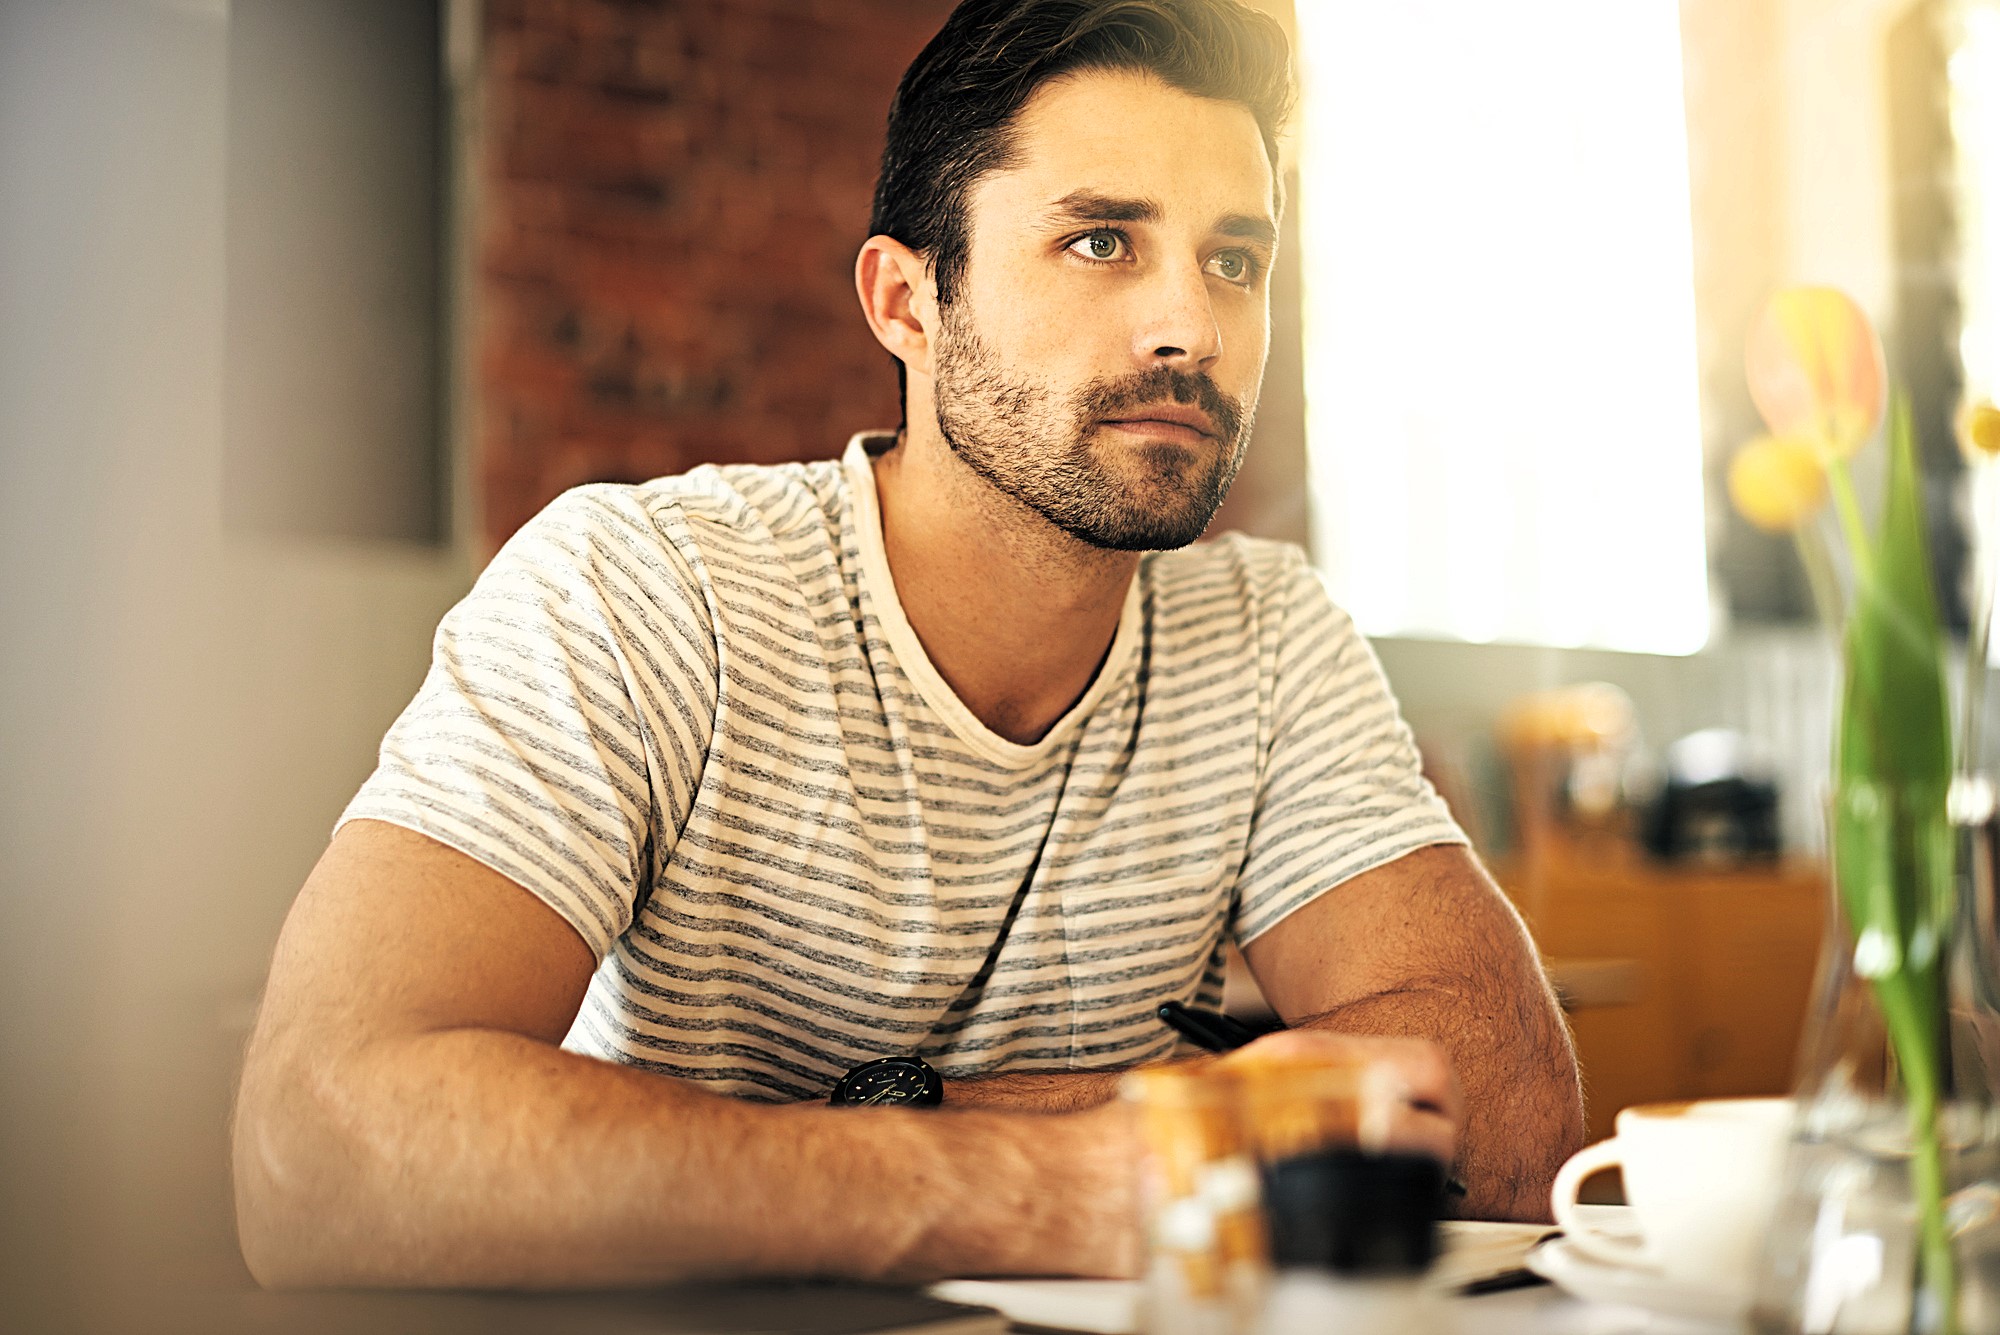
[1031, 443]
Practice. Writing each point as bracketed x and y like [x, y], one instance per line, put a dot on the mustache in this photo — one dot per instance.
[1107, 398]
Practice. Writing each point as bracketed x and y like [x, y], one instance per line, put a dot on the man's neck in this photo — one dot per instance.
[1016, 615]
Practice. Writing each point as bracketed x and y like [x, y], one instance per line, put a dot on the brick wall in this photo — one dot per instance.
[670, 198]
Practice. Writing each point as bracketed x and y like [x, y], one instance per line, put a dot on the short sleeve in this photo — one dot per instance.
[1342, 789]
[564, 715]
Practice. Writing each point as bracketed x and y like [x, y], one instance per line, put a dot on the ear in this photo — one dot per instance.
[894, 285]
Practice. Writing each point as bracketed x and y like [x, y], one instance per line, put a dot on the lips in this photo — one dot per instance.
[1171, 414]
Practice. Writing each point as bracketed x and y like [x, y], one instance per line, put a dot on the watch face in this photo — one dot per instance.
[889, 1080]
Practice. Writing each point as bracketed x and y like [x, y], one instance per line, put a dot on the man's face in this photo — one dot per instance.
[1100, 361]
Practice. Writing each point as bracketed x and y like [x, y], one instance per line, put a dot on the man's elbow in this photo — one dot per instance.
[268, 1226]
[1566, 1126]
[288, 1187]
[1561, 1129]
[1565, 1078]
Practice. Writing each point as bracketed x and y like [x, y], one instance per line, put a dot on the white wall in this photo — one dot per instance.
[1837, 217]
[183, 713]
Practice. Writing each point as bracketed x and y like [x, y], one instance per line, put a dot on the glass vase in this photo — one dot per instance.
[1888, 1217]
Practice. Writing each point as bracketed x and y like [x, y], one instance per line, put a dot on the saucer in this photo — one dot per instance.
[1595, 1281]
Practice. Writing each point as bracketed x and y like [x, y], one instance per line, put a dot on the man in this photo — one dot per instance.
[744, 779]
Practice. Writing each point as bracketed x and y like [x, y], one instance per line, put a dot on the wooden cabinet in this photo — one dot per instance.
[1684, 982]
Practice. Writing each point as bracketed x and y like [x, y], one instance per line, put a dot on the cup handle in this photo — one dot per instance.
[1592, 1242]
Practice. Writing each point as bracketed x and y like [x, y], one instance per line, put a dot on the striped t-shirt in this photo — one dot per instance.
[691, 717]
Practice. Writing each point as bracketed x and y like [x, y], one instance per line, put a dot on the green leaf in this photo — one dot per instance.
[1893, 840]
[1895, 727]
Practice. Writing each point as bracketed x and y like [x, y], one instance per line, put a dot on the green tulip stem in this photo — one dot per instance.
[1820, 576]
[1910, 1004]
[1848, 507]
[1939, 1266]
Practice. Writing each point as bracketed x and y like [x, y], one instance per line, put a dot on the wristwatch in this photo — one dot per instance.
[908, 1081]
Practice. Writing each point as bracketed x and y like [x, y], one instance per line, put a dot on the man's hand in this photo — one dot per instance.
[1426, 946]
[1426, 1116]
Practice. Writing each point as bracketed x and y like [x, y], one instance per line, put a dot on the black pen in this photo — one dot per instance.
[1211, 1031]
[1216, 1032]
[1504, 1282]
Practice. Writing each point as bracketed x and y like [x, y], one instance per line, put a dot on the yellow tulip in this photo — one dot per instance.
[1778, 482]
[1815, 368]
[1979, 429]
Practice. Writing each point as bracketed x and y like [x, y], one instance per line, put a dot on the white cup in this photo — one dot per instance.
[1701, 1178]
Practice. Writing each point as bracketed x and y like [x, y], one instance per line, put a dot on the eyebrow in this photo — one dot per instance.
[1249, 227]
[1091, 206]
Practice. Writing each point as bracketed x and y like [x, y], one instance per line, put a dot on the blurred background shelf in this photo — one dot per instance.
[1680, 982]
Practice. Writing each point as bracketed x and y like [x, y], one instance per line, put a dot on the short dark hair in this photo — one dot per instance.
[953, 114]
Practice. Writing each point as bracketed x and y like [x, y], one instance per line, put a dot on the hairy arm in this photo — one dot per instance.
[1034, 1091]
[406, 1117]
[1427, 1120]
[1427, 947]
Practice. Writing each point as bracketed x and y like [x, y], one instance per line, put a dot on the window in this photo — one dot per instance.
[1502, 411]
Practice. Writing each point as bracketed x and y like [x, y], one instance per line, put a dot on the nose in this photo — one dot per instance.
[1180, 328]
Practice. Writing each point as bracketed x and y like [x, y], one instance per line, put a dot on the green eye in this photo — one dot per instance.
[1099, 245]
[1232, 266]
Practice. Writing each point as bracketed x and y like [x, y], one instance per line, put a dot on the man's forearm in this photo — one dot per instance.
[479, 1157]
[1515, 1063]
[1034, 1091]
